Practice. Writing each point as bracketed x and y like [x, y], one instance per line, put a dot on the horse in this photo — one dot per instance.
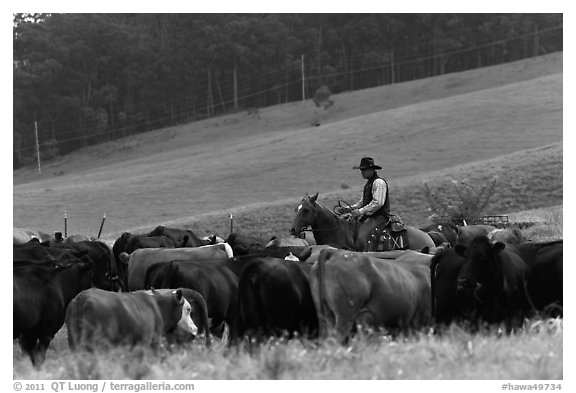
[332, 230]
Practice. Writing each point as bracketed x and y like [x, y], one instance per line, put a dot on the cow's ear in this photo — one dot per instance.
[313, 198]
[460, 249]
[498, 246]
[178, 294]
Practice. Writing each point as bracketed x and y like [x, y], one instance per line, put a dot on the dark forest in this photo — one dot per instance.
[82, 79]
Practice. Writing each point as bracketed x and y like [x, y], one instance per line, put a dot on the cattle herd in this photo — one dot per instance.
[168, 286]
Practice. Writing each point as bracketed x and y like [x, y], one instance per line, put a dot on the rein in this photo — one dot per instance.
[343, 224]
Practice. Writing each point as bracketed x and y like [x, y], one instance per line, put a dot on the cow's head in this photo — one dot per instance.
[305, 215]
[482, 265]
[176, 314]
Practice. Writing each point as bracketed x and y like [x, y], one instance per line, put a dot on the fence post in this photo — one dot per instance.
[303, 81]
[37, 146]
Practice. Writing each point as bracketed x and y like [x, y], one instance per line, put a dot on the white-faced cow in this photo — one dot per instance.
[96, 318]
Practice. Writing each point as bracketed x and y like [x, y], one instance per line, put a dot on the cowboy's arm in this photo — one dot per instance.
[378, 198]
[357, 204]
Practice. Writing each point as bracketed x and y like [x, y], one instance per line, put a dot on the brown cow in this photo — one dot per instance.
[96, 317]
[379, 293]
[512, 235]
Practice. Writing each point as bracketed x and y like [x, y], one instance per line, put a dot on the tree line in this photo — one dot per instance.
[83, 79]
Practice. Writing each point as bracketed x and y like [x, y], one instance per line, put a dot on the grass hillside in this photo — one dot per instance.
[504, 120]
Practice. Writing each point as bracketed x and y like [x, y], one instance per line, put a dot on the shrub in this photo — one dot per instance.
[467, 205]
[322, 97]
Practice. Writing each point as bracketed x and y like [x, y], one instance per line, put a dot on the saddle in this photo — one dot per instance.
[388, 237]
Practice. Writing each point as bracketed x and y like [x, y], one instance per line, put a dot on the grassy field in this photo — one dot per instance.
[418, 131]
[457, 354]
[503, 121]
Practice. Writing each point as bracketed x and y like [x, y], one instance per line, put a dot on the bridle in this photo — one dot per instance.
[340, 225]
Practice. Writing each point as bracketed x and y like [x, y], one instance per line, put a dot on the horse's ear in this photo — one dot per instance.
[313, 198]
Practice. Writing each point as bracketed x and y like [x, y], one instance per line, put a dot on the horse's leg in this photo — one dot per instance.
[418, 239]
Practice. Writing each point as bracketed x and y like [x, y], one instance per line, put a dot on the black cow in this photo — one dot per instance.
[274, 298]
[438, 238]
[545, 280]
[144, 241]
[104, 269]
[129, 242]
[492, 280]
[449, 232]
[37, 253]
[216, 281]
[41, 294]
[444, 269]
[181, 237]
[244, 244]
[119, 247]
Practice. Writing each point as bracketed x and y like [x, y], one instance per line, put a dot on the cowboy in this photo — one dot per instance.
[373, 208]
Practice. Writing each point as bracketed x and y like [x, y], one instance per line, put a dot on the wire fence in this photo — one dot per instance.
[367, 72]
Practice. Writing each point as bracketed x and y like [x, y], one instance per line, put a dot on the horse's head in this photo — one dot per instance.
[305, 215]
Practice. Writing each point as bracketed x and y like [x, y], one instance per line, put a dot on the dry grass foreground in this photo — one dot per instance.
[529, 355]
[418, 131]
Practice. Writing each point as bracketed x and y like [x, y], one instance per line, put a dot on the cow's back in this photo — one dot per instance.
[512, 235]
[141, 260]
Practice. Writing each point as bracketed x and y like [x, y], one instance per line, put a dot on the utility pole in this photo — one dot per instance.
[37, 146]
[303, 81]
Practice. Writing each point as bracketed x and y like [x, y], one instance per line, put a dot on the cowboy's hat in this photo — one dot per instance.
[367, 162]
